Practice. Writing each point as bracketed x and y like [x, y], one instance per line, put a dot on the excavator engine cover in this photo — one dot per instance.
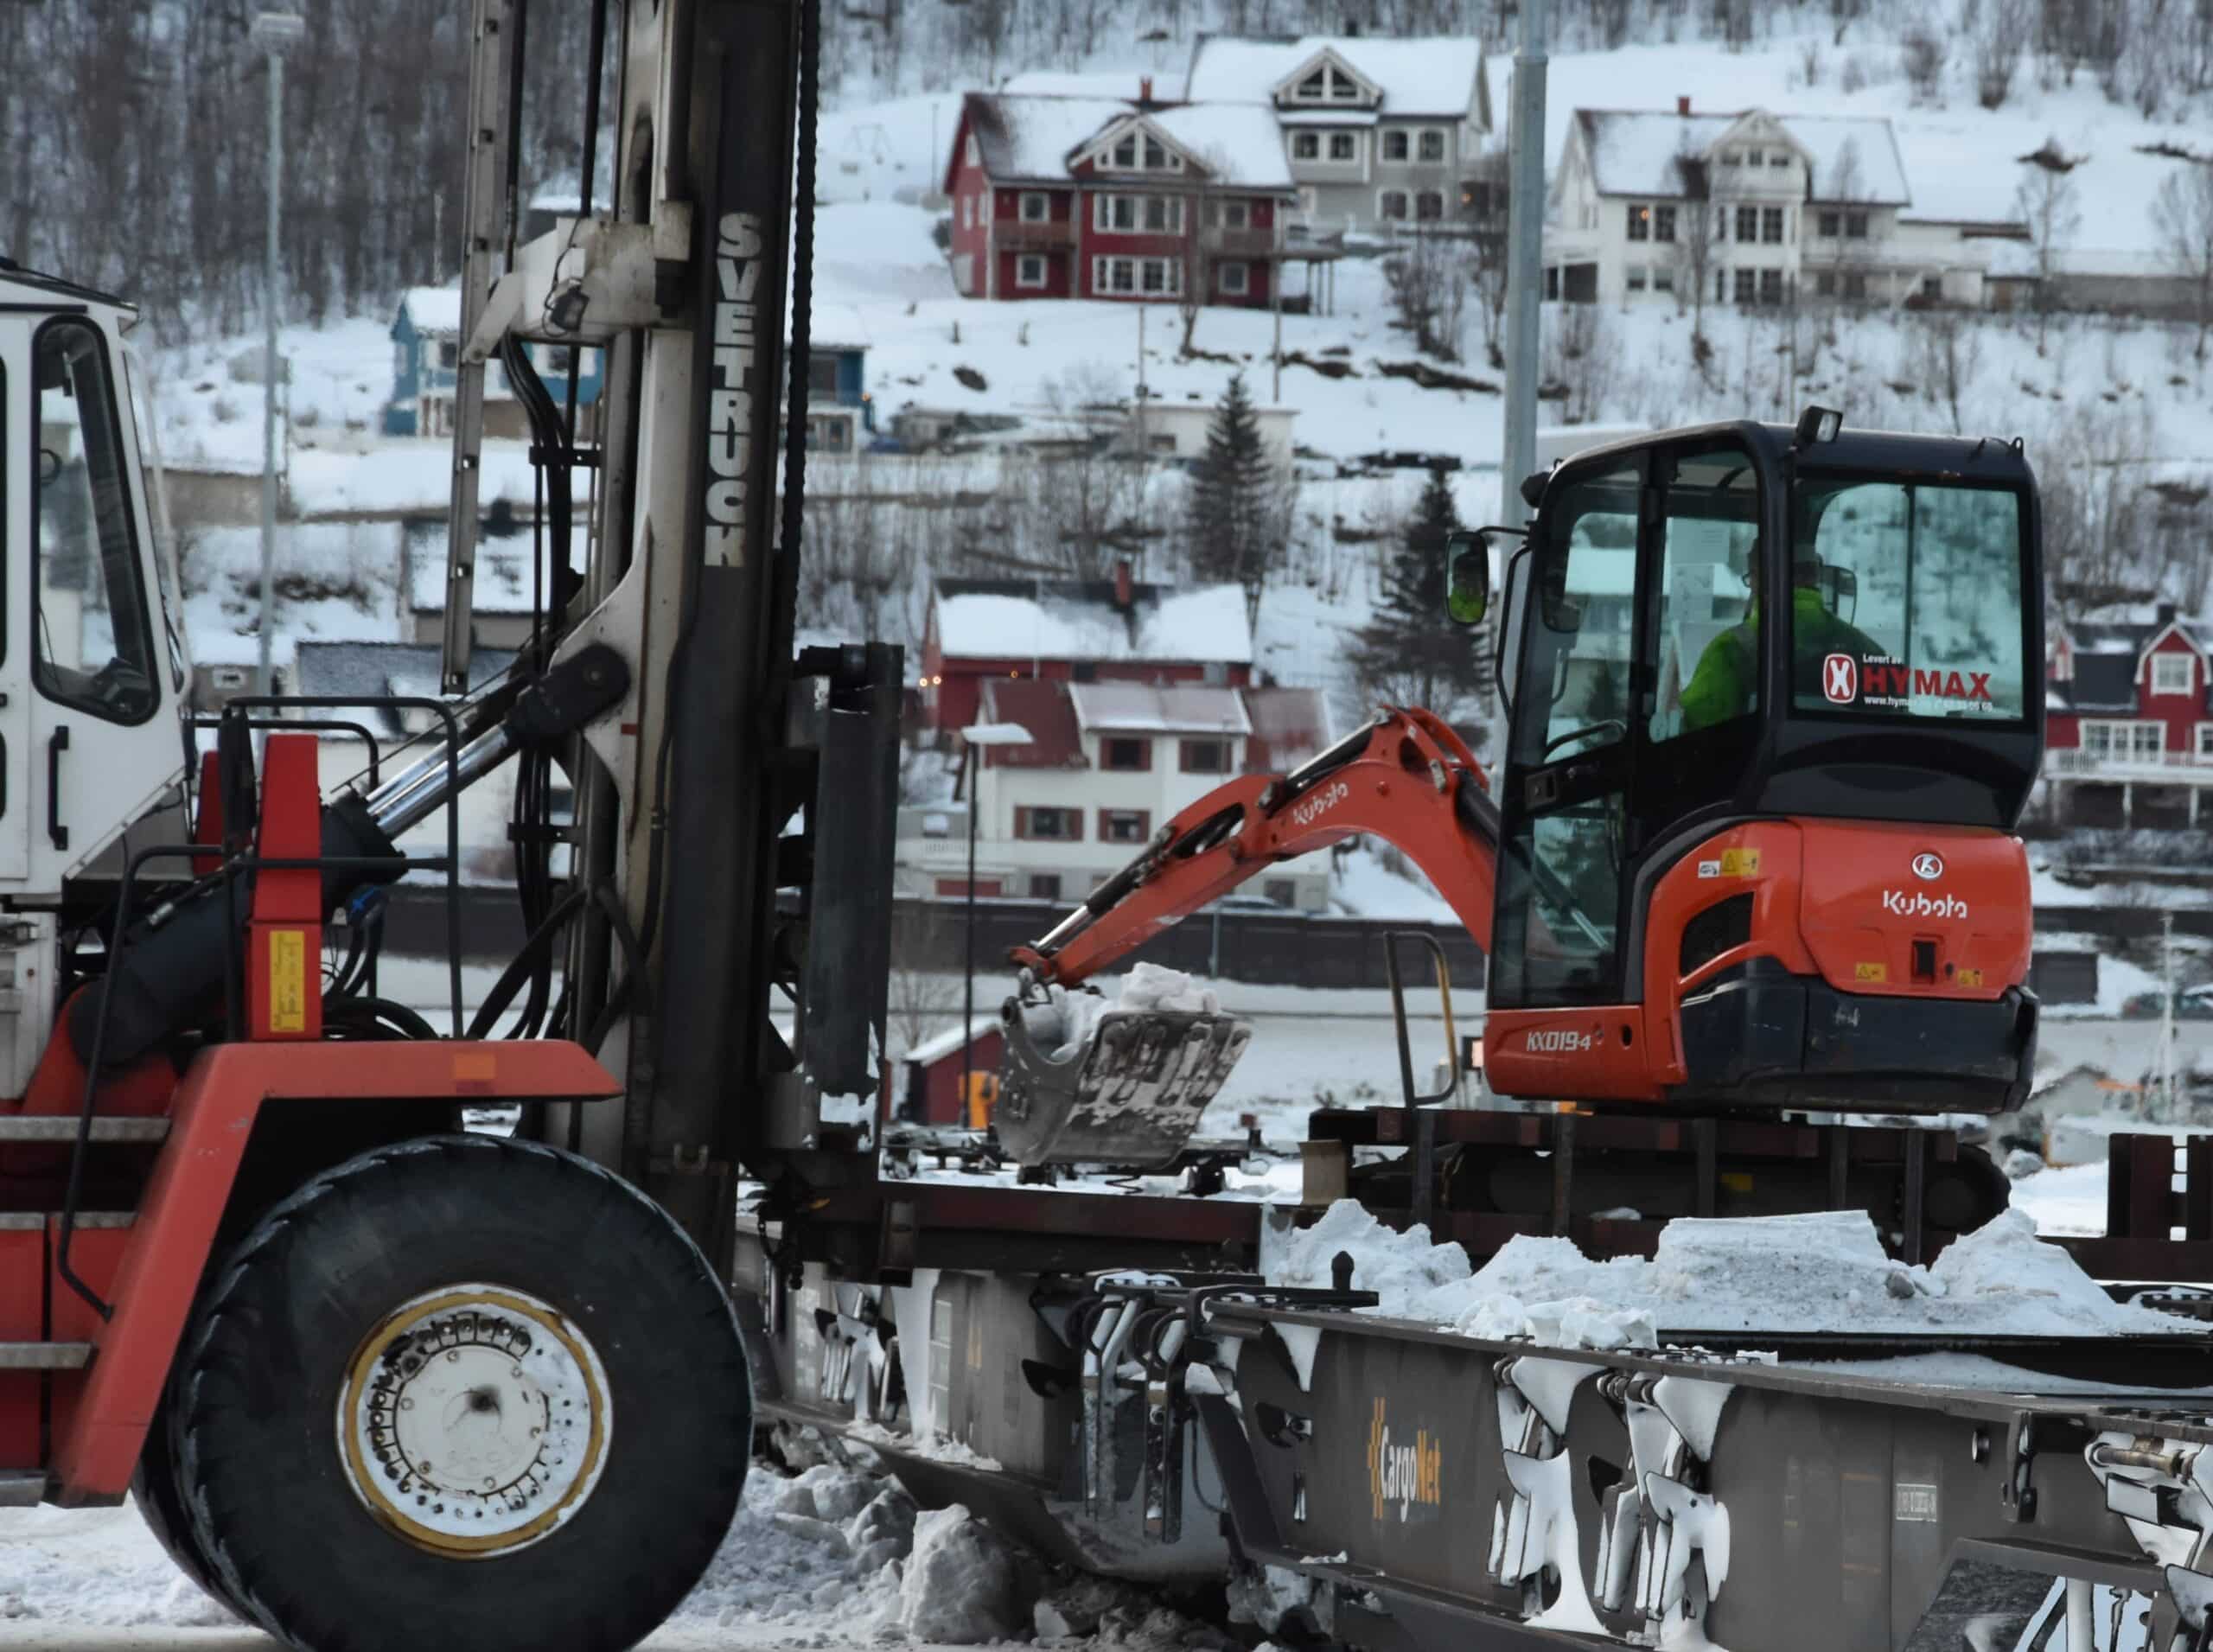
[1130, 1094]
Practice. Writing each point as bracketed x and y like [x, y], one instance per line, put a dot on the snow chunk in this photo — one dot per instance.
[962, 1584]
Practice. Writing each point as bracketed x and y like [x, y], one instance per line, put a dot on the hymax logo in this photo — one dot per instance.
[1841, 679]
[1402, 1474]
[1909, 904]
[1314, 807]
[1555, 1040]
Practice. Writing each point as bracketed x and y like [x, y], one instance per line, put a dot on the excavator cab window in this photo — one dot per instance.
[1908, 600]
[93, 648]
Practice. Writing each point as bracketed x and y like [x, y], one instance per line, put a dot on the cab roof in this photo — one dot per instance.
[37, 287]
[1986, 459]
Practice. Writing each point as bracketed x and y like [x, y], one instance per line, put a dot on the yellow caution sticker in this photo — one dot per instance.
[1871, 972]
[1969, 978]
[288, 981]
[1740, 863]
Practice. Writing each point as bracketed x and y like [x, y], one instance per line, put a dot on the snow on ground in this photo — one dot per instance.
[1815, 1273]
[2070, 1200]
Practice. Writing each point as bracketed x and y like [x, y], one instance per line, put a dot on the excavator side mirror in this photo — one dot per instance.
[1467, 576]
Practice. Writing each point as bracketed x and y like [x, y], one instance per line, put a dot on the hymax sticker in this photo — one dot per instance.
[1871, 972]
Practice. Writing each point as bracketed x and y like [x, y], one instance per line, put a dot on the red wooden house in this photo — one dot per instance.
[2130, 703]
[1097, 198]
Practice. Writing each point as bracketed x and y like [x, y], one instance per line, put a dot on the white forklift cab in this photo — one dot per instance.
[92, 672]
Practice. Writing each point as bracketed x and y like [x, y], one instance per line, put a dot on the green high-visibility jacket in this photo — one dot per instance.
[1726, 682]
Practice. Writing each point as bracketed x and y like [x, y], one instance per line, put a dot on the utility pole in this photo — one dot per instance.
[275, 33]
[1525, 261]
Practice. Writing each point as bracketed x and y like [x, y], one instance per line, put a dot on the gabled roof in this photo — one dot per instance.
[1438, 75]
[1024, 619]
[1035, 139]
[1634, 151]
[2107, 657]
[1324, 54]
[1237, 143]
[1030, 138]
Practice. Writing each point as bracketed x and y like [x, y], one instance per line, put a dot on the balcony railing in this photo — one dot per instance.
[1240, 243]
[1033, 235]
[2179, 768]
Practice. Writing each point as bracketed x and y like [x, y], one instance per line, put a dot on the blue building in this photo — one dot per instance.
[840, 417]
[426, 350]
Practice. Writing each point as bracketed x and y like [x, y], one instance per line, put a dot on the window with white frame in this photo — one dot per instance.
[1429, 207]
[2205, 740]
[1640, 277]
[1129, 215]
[1755, 157]
[1344, 146]
[1778, 158]
[1327, 84]
[1431, 147]
[1395, 146]
[1235, 276]
[1153, 278]
[1391, 204]
[2173, 674]
[1233, 214]
[1029, 270]
[1640, 221]
[1036, 207]
[1663, 278]
[2124, 740]
[1306, 146]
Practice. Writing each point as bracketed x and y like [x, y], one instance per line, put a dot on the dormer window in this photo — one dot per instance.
[1755, 157]
[1156, 157]
[1327, 84]
[1125, 151]
[1137, 150]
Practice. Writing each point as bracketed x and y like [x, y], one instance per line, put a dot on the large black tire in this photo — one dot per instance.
[437, 1237]
[160, 1504]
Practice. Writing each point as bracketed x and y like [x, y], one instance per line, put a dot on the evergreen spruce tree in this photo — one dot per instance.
[1240, 516]
[1411, 654]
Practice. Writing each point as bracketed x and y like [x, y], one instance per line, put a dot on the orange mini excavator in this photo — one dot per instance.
[1774, 708]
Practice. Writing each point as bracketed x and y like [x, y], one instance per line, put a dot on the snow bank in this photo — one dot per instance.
[962, 1583]
[1823, 1272]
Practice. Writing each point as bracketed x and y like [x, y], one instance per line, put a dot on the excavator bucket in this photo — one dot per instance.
[1128, 1092]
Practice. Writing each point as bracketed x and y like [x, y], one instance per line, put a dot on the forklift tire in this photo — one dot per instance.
[161, 1505]
[463, 1392]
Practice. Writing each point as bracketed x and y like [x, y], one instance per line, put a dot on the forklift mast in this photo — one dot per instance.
[707, 795]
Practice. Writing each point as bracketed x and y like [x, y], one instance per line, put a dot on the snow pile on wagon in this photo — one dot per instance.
[1825, 1271]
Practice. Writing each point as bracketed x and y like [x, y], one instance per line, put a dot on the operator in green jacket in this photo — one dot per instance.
[1726, 683]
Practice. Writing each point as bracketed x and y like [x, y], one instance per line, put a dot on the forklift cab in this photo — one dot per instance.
[1740, 623]
[91, 668]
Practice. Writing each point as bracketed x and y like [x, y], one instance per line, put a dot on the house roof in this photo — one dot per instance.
[433, 309]
[2107, 658]
[1167, 87]
[1436, 74]
[1633, 151]
[1237, 143]
[1289, 726]
[1014, 619]
[1019, 137]
[1158, 708]
[1032, 138]
[1041, 706]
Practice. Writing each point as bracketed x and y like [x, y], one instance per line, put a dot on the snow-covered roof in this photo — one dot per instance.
[1426, 75]
[433, 309]
[1167, 87]
[1158, 708]
[1030, 136]
[1237, 143]
[1633, 151]
[1014, 620]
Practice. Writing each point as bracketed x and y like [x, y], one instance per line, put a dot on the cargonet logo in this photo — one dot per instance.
[1405, 1475]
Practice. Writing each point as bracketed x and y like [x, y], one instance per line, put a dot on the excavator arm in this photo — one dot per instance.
[1406, 777]
[1127, 1086]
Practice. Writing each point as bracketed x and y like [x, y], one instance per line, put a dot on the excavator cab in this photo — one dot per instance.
[1775, 708]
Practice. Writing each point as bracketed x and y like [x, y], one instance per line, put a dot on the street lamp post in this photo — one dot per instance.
[978, 737]
[275, 33]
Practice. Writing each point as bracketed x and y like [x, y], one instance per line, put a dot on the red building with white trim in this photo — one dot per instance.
[2129, 705]
[1098, 198]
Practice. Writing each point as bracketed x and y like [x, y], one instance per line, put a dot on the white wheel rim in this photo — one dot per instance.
[474, 1420]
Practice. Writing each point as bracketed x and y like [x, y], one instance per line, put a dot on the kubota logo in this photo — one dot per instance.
[1556, 1040]
[1841, 679]
[1409, 1477]
[1927, 867]
[1910, 903]
[1314, 807]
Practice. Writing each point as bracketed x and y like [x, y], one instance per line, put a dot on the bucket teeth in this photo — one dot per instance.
[1130, 1095]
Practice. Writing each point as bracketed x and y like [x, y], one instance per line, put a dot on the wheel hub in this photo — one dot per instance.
[474, 1420]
